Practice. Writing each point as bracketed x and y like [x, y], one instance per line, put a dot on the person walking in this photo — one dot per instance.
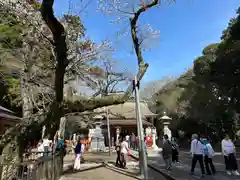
[175, 150]
[228, 151]
[197, 153]
[167, 152]
[137, 142]
[145, 146]
[208, 155]
[77, 162]
[118, 150]
[133, 141]
[124, 152]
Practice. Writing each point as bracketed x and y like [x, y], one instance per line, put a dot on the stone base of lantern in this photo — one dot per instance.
[155, 147]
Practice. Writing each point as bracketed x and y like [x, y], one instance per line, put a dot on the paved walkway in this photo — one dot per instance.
[102, 166]
[96, 174]
[91, 159]
[181, 171]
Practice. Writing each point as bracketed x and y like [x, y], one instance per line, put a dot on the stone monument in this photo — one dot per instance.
[97, 137]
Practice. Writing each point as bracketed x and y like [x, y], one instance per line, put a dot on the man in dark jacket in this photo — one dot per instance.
[118, 150]
[133, 141]
[167, 152]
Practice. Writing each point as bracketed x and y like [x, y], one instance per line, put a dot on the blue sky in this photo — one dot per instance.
[185, 28]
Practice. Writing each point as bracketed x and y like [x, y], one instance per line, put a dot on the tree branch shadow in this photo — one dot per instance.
[71, 171]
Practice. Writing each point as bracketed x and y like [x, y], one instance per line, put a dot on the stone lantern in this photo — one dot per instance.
[166, 122]
[154, 132]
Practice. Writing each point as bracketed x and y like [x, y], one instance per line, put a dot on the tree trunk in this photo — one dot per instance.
[59, 37]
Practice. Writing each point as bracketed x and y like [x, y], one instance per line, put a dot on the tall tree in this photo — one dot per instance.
[225, 70]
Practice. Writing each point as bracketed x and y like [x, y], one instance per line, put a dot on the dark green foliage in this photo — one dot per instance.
[11, 32]
[225, 71]
[212, 93]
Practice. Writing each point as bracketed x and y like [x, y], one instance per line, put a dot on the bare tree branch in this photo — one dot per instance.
[133, 22]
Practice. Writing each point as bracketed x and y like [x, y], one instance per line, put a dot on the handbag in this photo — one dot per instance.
[129, 153]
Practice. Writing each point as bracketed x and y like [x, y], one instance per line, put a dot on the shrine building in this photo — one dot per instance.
[122, 119]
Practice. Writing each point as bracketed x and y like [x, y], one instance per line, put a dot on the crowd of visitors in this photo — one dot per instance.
[202, 152]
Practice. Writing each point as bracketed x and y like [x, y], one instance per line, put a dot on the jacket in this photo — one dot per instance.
[78, 148]
[167, 149]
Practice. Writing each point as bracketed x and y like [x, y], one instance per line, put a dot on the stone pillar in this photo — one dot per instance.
[117, 134]
[43, 131]
[74, 138]
[61, 131]
[154, 146]
[112, 141]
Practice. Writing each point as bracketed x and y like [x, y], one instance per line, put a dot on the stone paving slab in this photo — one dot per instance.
[91, 157]
[217, 159]
[96, 174]
[182, 171]
[133, 171]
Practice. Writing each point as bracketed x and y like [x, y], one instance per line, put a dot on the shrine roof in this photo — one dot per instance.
[127, 110]
[121, 122]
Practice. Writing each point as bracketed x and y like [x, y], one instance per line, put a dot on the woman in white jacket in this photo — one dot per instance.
[228, 151]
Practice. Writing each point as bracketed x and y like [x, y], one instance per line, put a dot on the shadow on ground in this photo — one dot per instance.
[71, 171]
[113, 166]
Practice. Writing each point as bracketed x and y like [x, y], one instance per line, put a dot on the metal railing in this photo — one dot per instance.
[47, 167]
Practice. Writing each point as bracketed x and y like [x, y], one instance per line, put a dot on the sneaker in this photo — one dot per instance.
[169, 168]
[229, 173]
[236, 173]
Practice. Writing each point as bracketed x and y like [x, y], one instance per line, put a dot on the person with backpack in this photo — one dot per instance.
[197, 153]
[167, 152]
[208, 154]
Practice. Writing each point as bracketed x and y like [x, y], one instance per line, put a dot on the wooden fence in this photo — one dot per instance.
[48, 167]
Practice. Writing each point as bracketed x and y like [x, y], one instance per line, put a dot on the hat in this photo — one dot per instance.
[204, 141]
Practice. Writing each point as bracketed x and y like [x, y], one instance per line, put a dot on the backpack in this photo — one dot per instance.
[205, 150]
